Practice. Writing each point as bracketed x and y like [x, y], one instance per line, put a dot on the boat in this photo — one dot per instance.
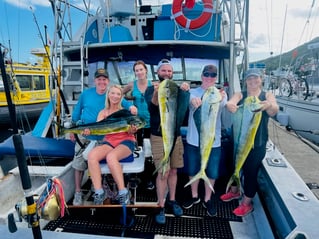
[298, 95]
[117, 34]
[29, 87]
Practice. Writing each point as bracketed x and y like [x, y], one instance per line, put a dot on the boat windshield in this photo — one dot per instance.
[184, 70]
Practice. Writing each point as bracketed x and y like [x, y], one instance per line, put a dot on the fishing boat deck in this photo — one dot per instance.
[225, 223]
[140, 221]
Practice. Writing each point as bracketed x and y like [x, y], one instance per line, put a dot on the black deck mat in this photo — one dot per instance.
[140, 222]
[145, 227]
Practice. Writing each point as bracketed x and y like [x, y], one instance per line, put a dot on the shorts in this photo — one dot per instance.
[176, 160]
[194, 161]
[79, 163]
[128, 143]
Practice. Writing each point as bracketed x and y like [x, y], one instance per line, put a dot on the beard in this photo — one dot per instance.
[161, 78]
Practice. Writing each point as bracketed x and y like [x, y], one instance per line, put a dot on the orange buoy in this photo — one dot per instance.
[196, 23]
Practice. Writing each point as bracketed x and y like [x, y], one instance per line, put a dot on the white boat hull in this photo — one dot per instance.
[303, 116]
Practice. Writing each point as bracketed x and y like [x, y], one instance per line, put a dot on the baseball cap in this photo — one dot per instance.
[210, 68]
[253, 72]
[163, 62]
[101, 72]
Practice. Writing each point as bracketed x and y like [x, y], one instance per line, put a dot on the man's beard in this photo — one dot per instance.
[162, 78]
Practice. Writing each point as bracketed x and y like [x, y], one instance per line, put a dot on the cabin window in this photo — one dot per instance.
[31, 82]
[39, 82]
[24, 82]
[184, 70]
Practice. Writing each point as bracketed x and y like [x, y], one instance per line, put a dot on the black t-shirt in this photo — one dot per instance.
[155, 120]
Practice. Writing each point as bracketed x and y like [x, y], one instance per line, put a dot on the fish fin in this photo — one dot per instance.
[190, 182]
[233, 179]
[200, 175]
[182, 108]
[206, 179]
[120, 113]
[197, 119]
[156, 170]
[163, 166]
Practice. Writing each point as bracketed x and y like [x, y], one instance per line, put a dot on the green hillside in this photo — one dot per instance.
[296, 57]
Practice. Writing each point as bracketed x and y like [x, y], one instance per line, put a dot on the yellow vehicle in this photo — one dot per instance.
[29, 87]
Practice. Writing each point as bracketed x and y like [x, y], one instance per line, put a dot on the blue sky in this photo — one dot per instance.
[266, 26]
[18, 26]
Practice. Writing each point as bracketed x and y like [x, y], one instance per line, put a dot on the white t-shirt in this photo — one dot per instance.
[192, 133]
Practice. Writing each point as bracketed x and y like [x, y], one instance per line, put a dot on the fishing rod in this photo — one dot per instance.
[11, 105]
[32, 216]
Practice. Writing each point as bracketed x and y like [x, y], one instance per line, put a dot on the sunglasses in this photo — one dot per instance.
[164, 61]
[212, 74]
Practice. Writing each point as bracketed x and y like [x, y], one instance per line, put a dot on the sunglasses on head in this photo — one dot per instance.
[210, 74]
[164, 61]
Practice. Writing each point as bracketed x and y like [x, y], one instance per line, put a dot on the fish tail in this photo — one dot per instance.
[206, 179]
[234, 179]
[163, 165]
[201, 175]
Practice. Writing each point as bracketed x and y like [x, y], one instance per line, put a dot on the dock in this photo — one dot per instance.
[302, 154]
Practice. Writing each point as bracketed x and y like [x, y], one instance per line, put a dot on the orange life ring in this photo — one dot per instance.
[192, 23]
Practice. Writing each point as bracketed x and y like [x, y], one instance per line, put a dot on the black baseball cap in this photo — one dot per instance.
[101, 72]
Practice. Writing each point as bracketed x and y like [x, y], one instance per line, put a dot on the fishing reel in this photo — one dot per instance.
[49, 205]
[22, 210]
[22, 214]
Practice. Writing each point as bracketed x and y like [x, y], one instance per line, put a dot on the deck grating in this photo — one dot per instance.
[195, 222]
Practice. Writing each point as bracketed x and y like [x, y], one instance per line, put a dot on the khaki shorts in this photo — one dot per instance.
[79, 163]
[176, 160]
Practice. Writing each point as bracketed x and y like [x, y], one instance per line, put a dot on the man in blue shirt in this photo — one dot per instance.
[90, 103]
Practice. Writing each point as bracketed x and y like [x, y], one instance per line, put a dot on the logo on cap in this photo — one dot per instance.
[101, 72]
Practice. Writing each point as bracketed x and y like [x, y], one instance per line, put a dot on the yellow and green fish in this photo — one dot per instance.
[205, 118]
[245, 124]
[119, 121]
[173, 104]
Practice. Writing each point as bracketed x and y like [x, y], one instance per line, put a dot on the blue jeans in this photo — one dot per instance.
[128, 143]
[194, 161]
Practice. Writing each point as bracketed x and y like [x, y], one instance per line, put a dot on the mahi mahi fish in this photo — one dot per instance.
[119, 121]
[205, 118]
[173, 105]
[245, 124]
[167, 99]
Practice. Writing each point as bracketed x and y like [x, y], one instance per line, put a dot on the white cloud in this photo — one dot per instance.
[28, 3]
[18, 3]
[270, 30]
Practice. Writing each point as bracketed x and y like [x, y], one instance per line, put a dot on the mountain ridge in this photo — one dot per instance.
[290, 58]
